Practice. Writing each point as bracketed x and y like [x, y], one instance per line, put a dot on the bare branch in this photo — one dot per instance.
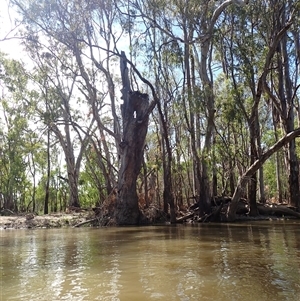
[219, 10]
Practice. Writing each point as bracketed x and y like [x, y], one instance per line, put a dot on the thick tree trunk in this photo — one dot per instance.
[73, 188]
[9, 202]
[127, 209]
[135, 126]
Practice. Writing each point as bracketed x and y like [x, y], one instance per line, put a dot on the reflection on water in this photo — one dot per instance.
[259, 261]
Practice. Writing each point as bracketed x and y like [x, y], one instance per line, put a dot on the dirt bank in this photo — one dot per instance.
[30, 221]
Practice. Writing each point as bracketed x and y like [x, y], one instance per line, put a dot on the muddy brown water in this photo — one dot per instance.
[257, 261]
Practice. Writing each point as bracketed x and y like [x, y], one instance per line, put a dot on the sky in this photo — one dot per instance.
[10, 46]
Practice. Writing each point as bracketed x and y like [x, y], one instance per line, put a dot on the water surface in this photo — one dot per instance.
[258, 261]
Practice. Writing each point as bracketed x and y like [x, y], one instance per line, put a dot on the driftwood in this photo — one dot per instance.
[86, 222]
[214, 216]
[242, 209]
[185, 217]
[204, 218]
[211, 217]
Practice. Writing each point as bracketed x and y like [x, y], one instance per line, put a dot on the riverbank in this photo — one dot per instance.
[57, 220]
[76, 217]
[63, 220]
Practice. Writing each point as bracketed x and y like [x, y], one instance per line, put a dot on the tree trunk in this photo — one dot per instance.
[46, 201]
[285, 88]
[168, 194]
[253, 157]
[146, 189]
[292, 155]
[275, 117]
[73, 188]
[293, 176]
[135, 126]
[262, 197]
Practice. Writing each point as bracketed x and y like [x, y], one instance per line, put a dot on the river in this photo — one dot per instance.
[247, 261]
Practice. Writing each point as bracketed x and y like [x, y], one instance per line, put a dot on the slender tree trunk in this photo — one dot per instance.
[178, 179]
[262, 197]
[73, 173]
[46, 201]
[33, 174]
[275, 118]
[278, 178]
[205, 194]
[253, 157]
[168, 194]
[146, 189]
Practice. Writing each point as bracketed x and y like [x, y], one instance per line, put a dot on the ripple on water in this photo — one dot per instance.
[223, 262]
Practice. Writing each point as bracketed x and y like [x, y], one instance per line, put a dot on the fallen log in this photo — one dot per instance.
[6, 212]
[276, 210]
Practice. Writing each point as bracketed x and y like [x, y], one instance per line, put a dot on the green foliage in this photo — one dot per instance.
[89, 190]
